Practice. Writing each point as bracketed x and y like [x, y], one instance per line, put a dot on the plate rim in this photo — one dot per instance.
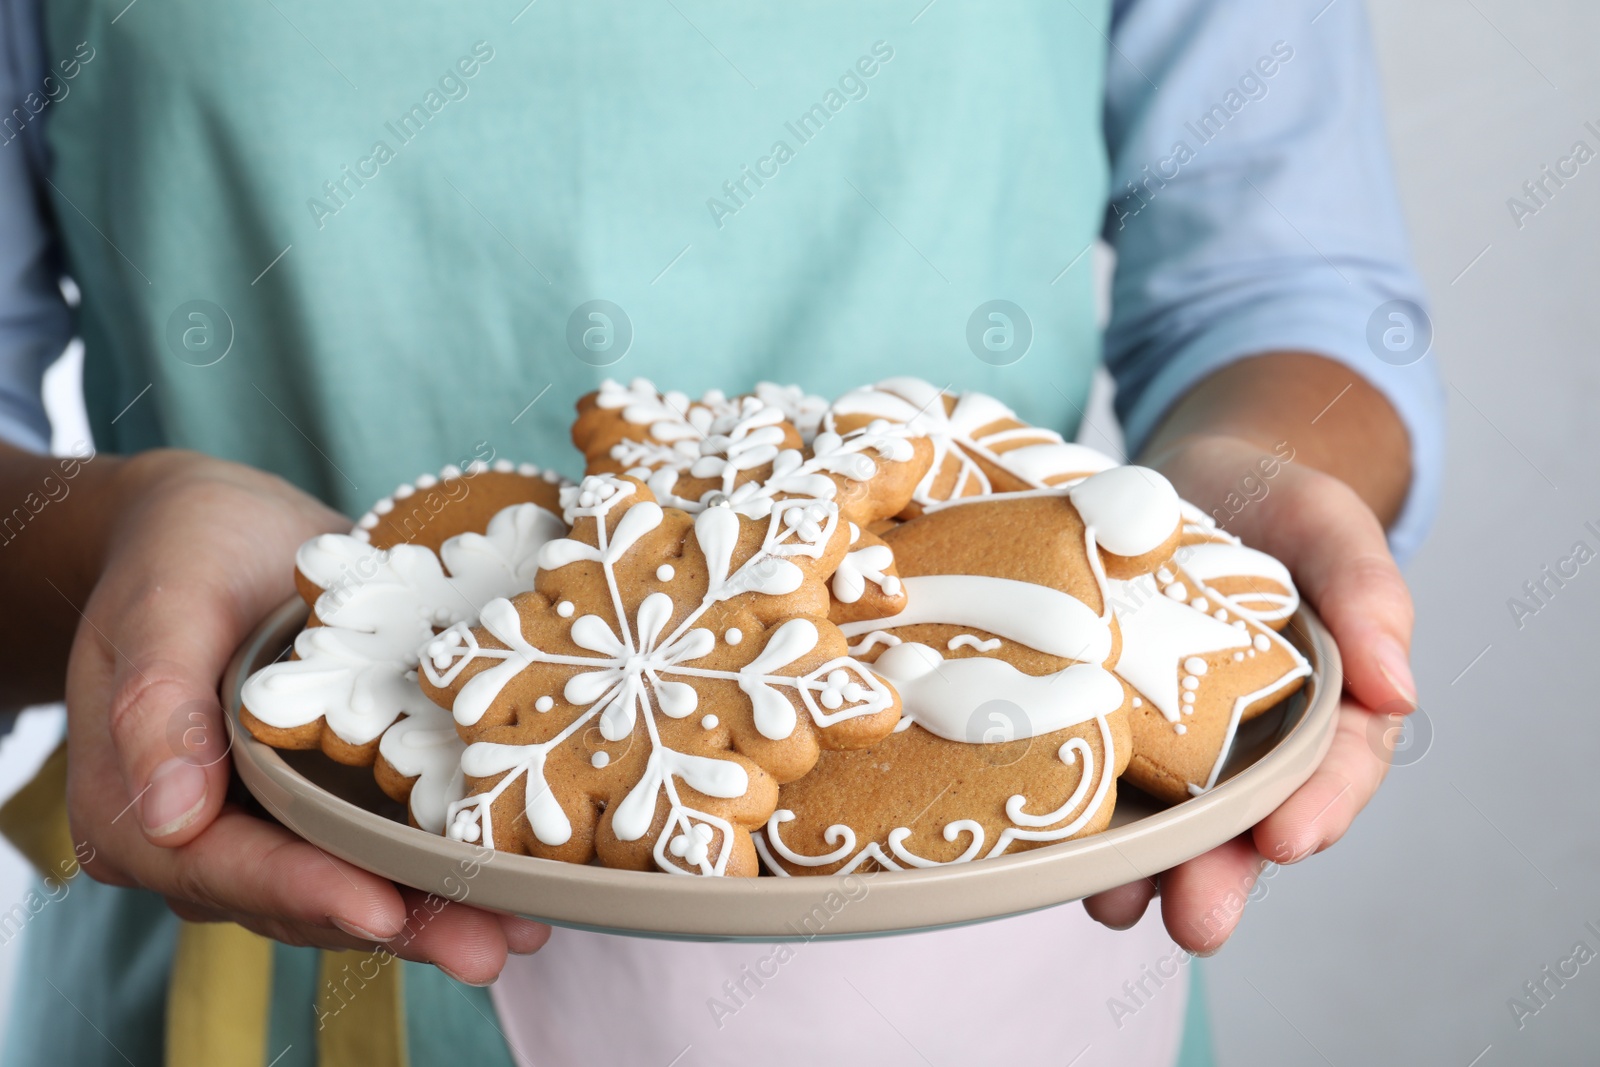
[573, 892]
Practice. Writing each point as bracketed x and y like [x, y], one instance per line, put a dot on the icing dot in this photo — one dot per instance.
[464, 827]
[383, 507]
[1222, 614]
[362, 536]
[1251, 653]
[427, 481]
[1188, 698]
[565, 609]
[550, 476]
[1180, 729]
[1177, 591]
[734, 635]
[1262, 643]
[527, 470]
[543, 704]
[1238, 624]
[1191, 683]
[1138, 703]
[1200, 603]
[1194, 665]
[665, 572]
[403, 492]
[477, 466]
[368, 521]
[504, 466]
[1238, 656]
[600, 759]
[709, 722]
[450, 471]
[1163, 576]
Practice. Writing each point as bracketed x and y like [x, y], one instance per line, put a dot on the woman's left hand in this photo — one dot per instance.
[1335, 547]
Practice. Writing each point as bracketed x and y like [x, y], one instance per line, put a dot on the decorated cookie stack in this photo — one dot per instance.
[901, 630]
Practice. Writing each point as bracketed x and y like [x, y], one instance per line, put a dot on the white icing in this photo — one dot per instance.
[1214, 561]
[600, 760]
[543, 704]
[944, 696]
[643, 664]
[1133, 510]
[861, 566]
[1157, 633]
[1025, 826]
[565, 609]
[424, 745]
[665, 572]
[1161, 635]
[720, 439]
[733, 635]
[378, 607]
[973, 641]
[709, 722]
[957, 437]
[1047, 619]
[876, 637]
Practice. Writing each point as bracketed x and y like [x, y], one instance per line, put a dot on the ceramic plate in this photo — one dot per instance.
[340, 809]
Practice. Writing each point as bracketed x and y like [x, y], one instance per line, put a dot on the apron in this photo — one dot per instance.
[351, 243]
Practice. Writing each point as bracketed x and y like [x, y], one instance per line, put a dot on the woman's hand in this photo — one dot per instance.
[1331, 540]
[196, 553]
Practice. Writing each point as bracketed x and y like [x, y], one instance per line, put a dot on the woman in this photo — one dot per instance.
[346, 245]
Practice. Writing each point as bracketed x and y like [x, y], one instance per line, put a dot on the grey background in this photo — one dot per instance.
[1477, 865]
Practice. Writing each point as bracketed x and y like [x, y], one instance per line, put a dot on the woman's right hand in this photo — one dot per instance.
[196, 552]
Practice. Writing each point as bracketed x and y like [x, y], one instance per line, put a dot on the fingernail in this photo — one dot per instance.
[1206, 954]
[1395, 666]
[451, 974]
[1291, 854]
[355, 931]
[174, 797]
[524, 937]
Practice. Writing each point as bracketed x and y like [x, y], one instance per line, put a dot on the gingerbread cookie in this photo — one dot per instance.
[984, 450]
[1199, 644]
[751, 452]
[980, 446]
[351, 687]
[1015, 730]
[668, 671]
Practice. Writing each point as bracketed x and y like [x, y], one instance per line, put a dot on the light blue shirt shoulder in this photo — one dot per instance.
[34, 322]
[1252, 209]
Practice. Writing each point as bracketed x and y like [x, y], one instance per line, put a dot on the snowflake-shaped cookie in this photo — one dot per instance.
[747, 451]
[351, 687]
[668, 671]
